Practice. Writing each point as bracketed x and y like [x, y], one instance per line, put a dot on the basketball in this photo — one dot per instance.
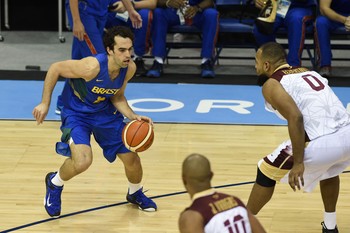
[138, 135]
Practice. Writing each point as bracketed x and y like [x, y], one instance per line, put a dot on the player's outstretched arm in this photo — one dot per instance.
[41, 110]
[87, 68]
[119, 101]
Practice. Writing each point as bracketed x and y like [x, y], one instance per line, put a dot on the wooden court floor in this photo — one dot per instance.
[95, 200]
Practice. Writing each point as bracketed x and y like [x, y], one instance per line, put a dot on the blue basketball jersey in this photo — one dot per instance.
[93, 96]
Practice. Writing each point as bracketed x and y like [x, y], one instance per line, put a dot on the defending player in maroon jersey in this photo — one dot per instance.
[212, 211]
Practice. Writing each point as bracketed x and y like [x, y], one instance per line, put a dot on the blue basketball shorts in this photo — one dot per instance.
[106, 127]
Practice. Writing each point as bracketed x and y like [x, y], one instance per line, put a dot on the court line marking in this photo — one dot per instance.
[118, 204]
[108, 206]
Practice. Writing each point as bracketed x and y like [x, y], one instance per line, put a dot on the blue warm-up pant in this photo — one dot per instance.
[296, 21]
[206, 21]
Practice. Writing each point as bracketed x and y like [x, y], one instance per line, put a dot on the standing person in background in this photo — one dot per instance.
[201, 14]
[212, 211]
[94, 103]
[319, 129]
[294, 15]
[142, 34]
[87, 20]
[334, 14]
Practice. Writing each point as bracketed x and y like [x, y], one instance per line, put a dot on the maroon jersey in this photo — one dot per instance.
[221, 212]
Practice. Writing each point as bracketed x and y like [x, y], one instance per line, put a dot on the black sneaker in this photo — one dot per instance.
[156, 70]
[140, 67]
[325, 230]
[207, 70]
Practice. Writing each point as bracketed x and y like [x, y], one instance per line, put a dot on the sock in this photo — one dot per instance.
[330, 220]
[56, 180]
[134, 187]
[159, 60]
[204, 59]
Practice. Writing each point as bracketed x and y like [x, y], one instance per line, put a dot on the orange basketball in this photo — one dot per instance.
[138, 135]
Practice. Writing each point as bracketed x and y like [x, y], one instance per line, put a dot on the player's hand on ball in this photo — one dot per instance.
[144, 118]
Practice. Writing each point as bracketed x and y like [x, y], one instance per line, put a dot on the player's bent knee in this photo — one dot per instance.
[263, 180]
[82, 164]
[130, 159]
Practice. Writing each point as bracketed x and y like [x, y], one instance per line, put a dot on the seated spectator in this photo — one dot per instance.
[142, 34]
[334, 14]
[294, 15]
[201, 14]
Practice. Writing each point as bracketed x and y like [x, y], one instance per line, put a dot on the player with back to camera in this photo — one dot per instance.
[319, 130]
[212, 211]
[94, 103]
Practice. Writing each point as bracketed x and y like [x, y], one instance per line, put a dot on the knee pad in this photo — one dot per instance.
[263, 180]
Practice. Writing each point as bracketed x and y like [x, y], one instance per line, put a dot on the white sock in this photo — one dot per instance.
[204, 59]
[159, 60]
[330, 220]
[56, 180]
[134, 187]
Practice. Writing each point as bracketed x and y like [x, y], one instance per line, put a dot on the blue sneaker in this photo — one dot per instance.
[59, 105]
[156, 70]
[144, 203]
[207, 70]
[58, 110]
[52, 199]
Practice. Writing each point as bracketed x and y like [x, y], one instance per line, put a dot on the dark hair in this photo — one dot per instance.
[108, 39]
[273, 52]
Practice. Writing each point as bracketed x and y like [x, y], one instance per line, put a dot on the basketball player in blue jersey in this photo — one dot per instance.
[318, 148]
[212, 211]
[142, 34]
[300, 14]
[201, 14]
[87, 19]
[334, 14]
[94, 103]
